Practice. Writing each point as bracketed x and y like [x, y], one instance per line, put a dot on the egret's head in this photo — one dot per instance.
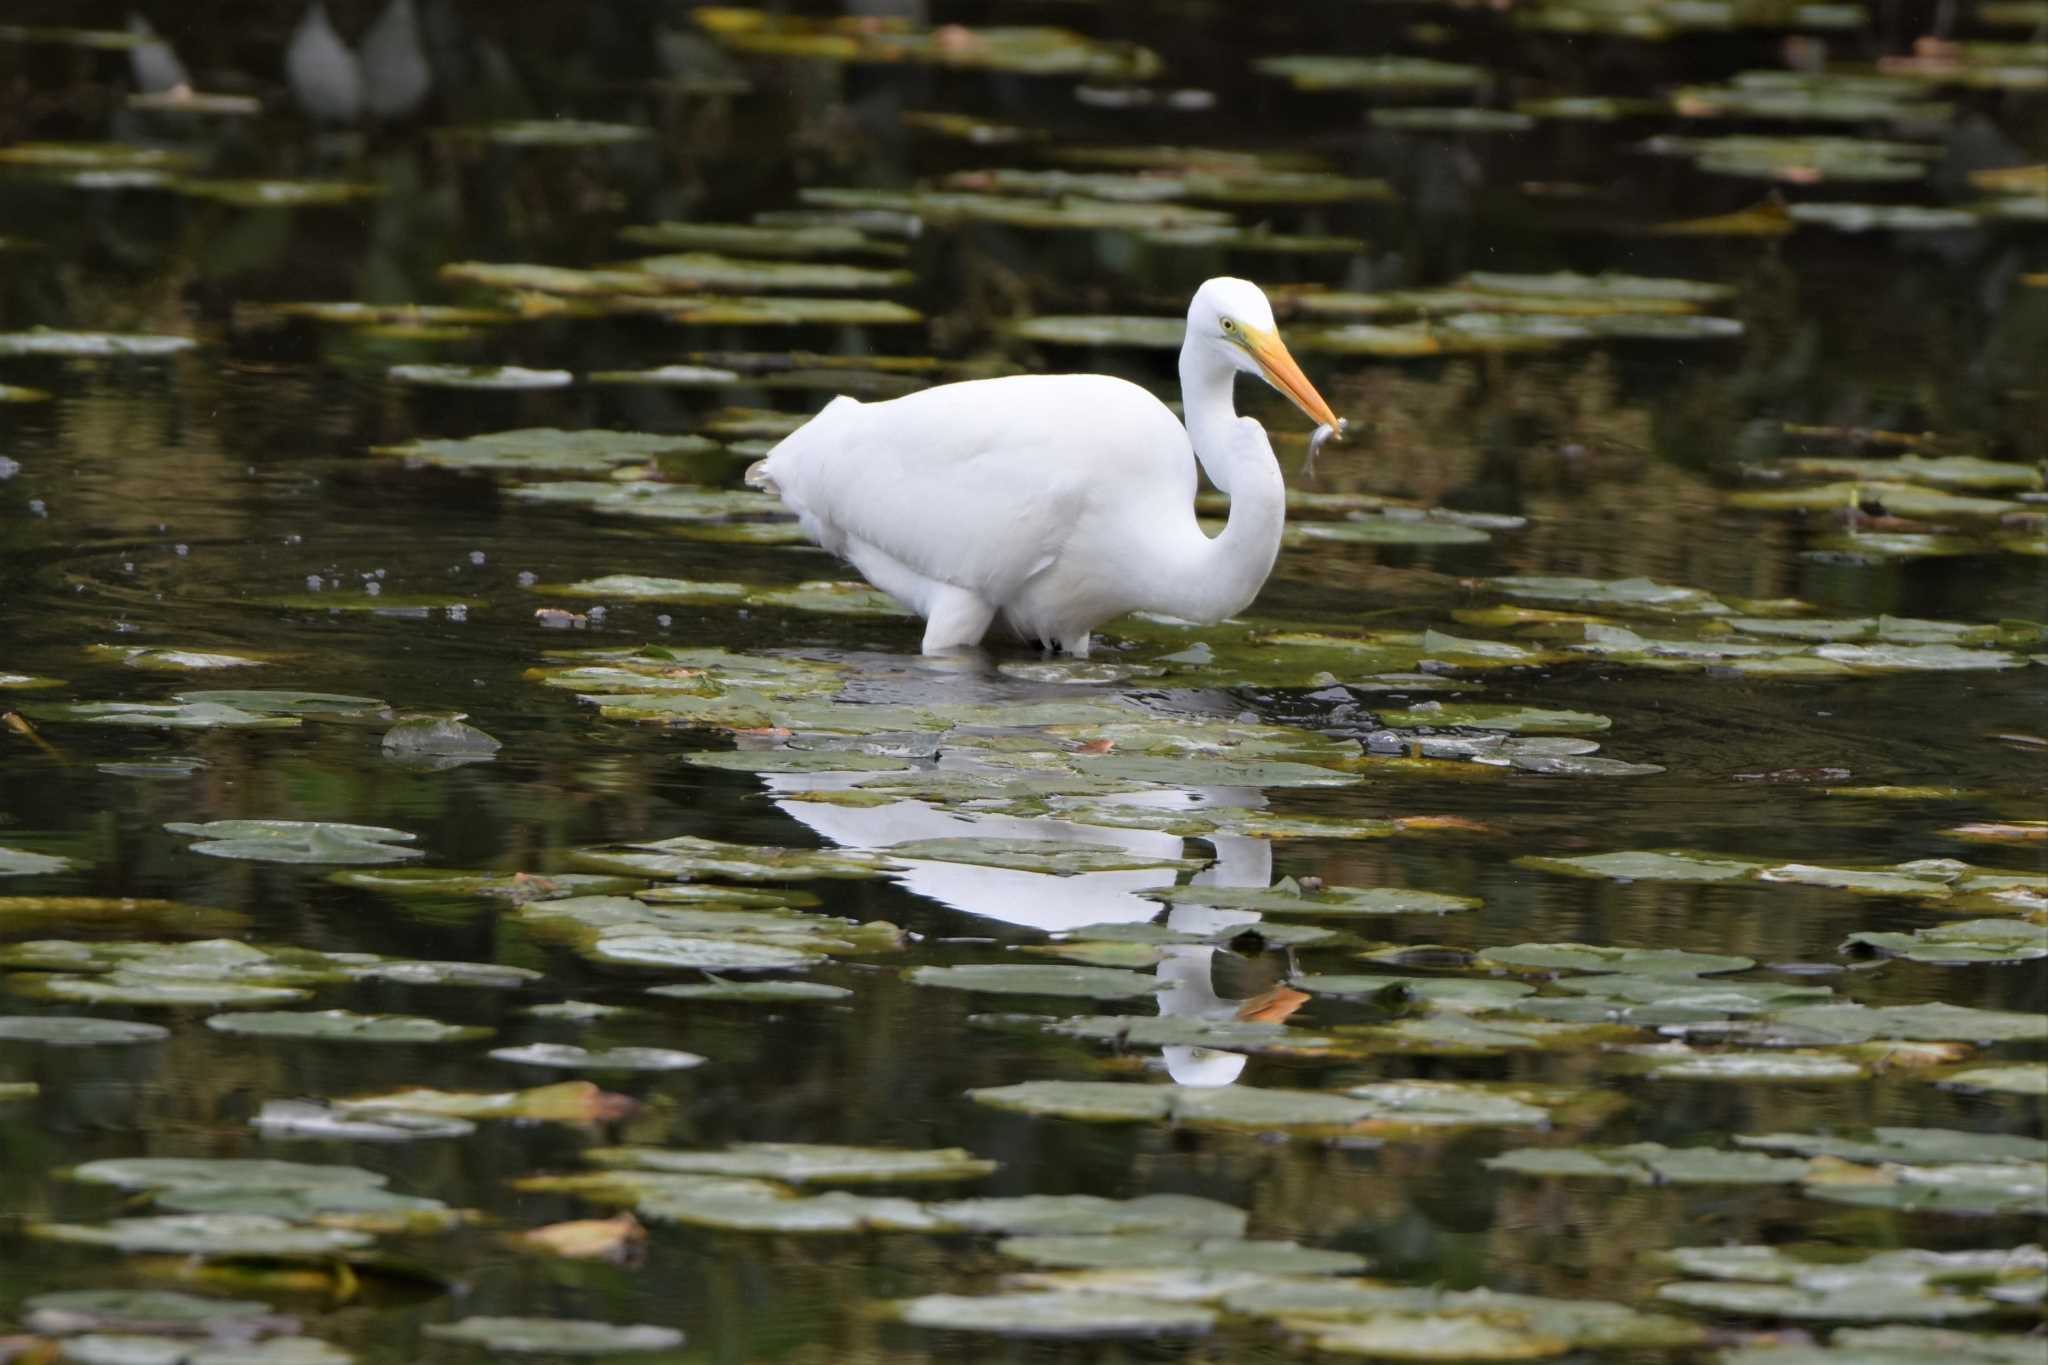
[1233, 316]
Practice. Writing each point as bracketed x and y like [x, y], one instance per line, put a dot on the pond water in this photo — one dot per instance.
[1692, 505]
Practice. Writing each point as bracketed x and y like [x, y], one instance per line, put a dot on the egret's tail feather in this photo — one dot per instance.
[758, 477]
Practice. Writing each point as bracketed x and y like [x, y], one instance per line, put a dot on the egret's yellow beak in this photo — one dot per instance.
[1283, 374]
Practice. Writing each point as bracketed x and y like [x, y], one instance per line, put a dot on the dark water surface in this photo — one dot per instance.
[172, 502]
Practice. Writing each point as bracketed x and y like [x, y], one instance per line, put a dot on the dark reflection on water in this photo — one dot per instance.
[159, 502]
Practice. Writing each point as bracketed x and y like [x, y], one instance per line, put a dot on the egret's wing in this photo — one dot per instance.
[965, 487]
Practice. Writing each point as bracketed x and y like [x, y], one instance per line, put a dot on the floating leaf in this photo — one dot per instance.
[1099, 983]
[343, 1026]
[67, 1030]
[1587, 957]
[555, 1336]
[550, 450]
[1331, 901]
[757, 992]
[552, 132]
[499, 377]
[317, 1120]
[90, 345]
[1652, 1163]
[567, 1102]
[573, 1058]
[297, 841]
[2017, 1078]
[19, 862]
[1055, 1315]
[800, 1163]
[1521, 720]
[206, 1234]
[708, 270]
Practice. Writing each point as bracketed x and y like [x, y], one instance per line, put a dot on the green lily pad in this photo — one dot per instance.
[175, 715]
[168, 658]
[1652, 1163]
[343, 1026]
[708, 270]
[657, 948]
[1055, 1315]
[143, 1311]
[1331, 902]
[1098, 983]
[1135, 1251]
[756, 992]
[19, 862]
[517, 887]
[68, 1030]
[1150, 332]
[1034, 855]
[166, 1173]
[297, 841]
[124, 1348]
[1895, 1346]
[1587, 957]
[1802, 160]
[1932, 1022]
[1960, 943]
[1437, 118]
[319, 1121]
[1361, 1317]
[752, 239]
[1127, 1030]
[1647, 866]
[571, 1058]
[1401, 1107]
[1878, 1300]
[349, 1206]
[1907, 1146]
[1520, 720]
[206, 1234]
[496, 377]
[2017, 1078]
[686, 857]
[280, 702]
[800, 1163]
[550, 450]
[1677, 1062]
[555, 1336]
[552, 132]
[91, 345]
[1641, 594]
[1375, 74]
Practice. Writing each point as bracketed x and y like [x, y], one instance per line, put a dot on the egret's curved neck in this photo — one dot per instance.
[1223, 575]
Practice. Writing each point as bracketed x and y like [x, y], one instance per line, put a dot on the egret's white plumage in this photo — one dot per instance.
[1058, 501]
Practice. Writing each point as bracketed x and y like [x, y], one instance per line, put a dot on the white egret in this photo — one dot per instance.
[1060, 501]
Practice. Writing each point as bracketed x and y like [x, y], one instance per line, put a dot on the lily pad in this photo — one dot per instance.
[800, 1163]
[571, 1058]
[1587, 957]
[344, 1026]
[1055, 1315]
[19, 862]
[316, 1120]
[67, 1030]
[1335, 902]
[708, 270]
[1894, 1346]
[298, 841]
[1652, 1163]
[91, 345]
[1520, 720]
[2016, 1078]
[495, 377]
[550, 450]
[1034, 855]
[756, 992]
[552, 132]
[555, 1336]
[686, 857]
[1099, 983]
[206, 1234]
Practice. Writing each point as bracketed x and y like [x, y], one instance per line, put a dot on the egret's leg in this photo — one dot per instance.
[1076, 645]
[958, 619]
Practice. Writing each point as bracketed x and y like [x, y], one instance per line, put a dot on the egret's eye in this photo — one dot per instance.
[1230, 324]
